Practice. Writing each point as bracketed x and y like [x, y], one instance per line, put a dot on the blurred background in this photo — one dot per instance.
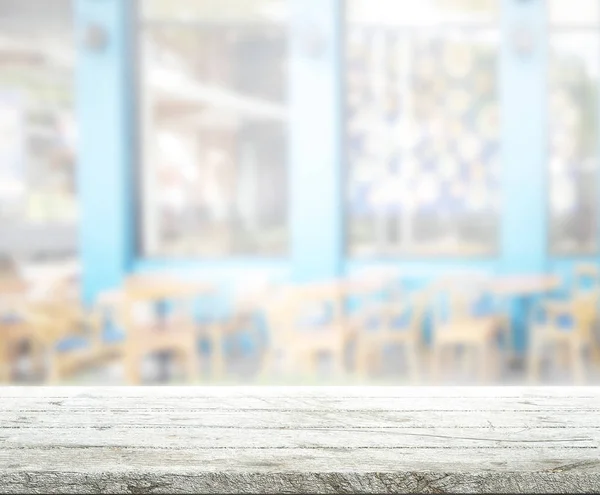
[299, 192]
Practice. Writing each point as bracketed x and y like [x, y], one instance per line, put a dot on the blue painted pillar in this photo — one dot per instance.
[104, 112]
[524, 143]
[316, 179]
[524, 138]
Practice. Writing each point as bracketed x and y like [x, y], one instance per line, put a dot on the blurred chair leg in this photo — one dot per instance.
[489, 361]
[595, 352]
[37, 358]
[482, 361]
[270, 366]
[303, 364]
[310, 363]
[5, 372]
[577, 362]
[132, 363]
[5, 368]
[53, 371]
[412, 360]
[217, 344]
[190, 363]
[217, 368]
[534, 362]
[499, 360]
[436, 362]
[564, 357]
[464, 353]
[291, 363]
[337, 364]
[361, 366]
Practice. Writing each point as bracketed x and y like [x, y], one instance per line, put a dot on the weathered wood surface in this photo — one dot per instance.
[299, 439]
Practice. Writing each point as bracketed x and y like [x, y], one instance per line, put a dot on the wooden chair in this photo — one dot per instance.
[111, 338]
[386, 324]
[372, 286]
[366, 291]
[586, 276]
[243, 323]
[250, 302]
[158, 317]
[456, 327]
[304, 323]
[63, 335]
[14, 329]
[585, 292]
[560, 325]
[244, 308]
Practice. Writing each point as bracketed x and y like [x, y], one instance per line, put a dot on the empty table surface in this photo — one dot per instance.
[516, 285]
[299, 439]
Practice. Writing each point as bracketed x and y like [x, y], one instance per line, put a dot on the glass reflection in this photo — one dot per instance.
[214, 129]
[38, 134]
[422, 139]
[573, 129]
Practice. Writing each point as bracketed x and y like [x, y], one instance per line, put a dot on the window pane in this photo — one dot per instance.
[214, 135]
[422, 141]
[574, 65]
[37, 126]
[574, 12]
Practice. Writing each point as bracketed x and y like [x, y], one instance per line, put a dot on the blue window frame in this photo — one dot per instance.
[315, 148]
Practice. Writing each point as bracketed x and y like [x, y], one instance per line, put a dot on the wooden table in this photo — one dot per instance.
[299, 439]
[521, 285]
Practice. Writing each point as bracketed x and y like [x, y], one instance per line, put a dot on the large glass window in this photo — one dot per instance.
[422, 130]
[38, 207]
[573, 126]
[214, 124]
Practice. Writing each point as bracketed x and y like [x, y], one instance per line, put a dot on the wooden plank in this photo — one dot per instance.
[317, 404]
[315, 440]
[300, 419]
[308, 459]
[298, 392]
[291, 438]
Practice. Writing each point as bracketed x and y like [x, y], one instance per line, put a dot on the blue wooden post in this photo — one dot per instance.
[104, 111]
[524, 142]
[315, 139]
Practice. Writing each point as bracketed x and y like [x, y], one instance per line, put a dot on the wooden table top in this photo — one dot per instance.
[523, 284]
[11, 285]
[299, 439]
[159, 286]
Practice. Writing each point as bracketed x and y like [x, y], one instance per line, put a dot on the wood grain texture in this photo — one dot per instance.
[299, 439]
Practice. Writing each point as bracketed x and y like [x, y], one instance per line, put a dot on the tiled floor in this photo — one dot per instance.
[244, 371]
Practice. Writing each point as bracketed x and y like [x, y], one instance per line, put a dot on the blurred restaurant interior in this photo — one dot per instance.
[299, 192]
